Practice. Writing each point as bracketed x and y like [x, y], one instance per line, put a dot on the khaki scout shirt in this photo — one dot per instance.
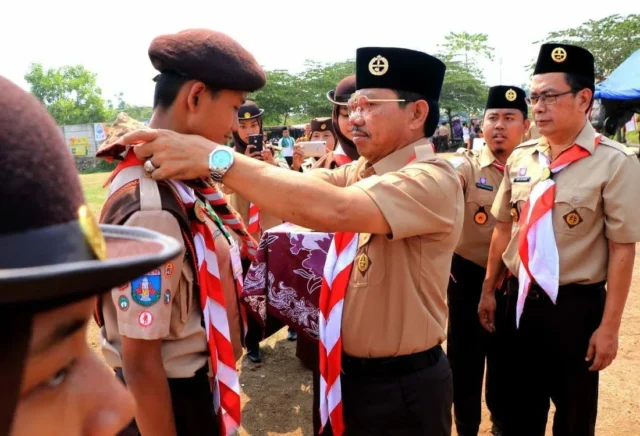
[397, 306]
[166, 307]
[480, 183]
[601, 189]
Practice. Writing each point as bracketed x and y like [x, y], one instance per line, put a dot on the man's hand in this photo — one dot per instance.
[298, 157]
[254, 154]
[487, 309]
[176, 156]
[603, 348]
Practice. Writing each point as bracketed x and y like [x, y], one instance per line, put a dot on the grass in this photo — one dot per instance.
[94, 193]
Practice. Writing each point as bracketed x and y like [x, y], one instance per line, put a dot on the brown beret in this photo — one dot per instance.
[211, 57]
[321, 125]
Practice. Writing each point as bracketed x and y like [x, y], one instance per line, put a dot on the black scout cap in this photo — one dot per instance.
[565, 58]
[211, 57]
[507, 97]
[401, 69]
[249, 111]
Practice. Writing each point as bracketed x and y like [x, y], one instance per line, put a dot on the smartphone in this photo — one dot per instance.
[256, 140]
[314, 148]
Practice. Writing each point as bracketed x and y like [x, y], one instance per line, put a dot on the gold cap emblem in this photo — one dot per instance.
[247, 115]
[322, 127]
[511, 95]
[92, 232]
[559, 54]
[378, 66]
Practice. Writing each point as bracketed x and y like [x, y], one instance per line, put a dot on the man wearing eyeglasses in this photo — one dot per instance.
[468, 344]
[567, 227]
[397, 215]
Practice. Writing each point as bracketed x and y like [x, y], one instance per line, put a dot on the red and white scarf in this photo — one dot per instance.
[335, 280]
[340, 156]
[254, 219]
[539, 259]
[225, 382]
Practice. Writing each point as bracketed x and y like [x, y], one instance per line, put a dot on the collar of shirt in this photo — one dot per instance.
[486, 157]
[585, 139]
[400, 158]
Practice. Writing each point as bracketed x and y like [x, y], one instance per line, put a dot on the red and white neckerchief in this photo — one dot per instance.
[335, 281]
[225, 383]
[254, 219]
[340, 156]
[539, 259]
[498, 165]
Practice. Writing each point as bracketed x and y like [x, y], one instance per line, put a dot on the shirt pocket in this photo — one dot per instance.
[185, 294]
[369, 266]
[575, 210]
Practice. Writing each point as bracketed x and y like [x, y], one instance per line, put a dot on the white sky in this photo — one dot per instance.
[111, 38]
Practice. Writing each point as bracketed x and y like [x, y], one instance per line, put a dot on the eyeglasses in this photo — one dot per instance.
[360, 104]
[547, 99]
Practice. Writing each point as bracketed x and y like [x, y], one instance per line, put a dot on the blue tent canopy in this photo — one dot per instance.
[624, 81]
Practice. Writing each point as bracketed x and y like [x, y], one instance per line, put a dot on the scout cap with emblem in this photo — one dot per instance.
[343, 91]
[403, 70]
[565, 58]
[507, 97]
[249, 111]
[52, 252]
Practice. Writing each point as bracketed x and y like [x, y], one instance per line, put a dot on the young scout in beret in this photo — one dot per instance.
[397, 214]
[54, 260]
[468, 343]
[567, 227]
[167, 331]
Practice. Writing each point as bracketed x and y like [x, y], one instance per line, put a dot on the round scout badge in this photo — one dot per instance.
[363, 263]
[481, 216]
[546, 173]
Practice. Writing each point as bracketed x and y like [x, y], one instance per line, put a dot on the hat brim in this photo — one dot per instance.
[131, 252]
[331, 98]
[253, 117]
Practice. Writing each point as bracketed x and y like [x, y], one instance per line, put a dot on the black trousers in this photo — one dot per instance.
[380, 401]
[547, 361]
[468, 345]
[192, 403]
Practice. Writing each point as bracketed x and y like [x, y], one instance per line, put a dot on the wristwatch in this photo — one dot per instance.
[220, 160]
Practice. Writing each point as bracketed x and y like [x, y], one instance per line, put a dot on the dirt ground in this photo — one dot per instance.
[276, 395]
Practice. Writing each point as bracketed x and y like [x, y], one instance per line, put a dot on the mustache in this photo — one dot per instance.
[356, 129]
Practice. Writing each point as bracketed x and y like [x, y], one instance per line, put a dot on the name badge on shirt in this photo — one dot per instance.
[522, 180]
[482, 184]
[236, 261]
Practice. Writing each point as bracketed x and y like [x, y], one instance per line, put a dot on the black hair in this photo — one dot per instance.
[577, 83]
[285, 129]
[433, 117]
[168, 84]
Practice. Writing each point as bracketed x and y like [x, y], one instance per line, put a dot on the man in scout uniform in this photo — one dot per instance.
[481, 172]
[567, 227]
[54, 260]
[407, 207]
[161, 330]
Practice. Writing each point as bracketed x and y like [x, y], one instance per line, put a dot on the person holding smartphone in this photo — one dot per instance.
[321, 131]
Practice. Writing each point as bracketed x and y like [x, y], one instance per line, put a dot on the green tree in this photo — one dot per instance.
[471, 46]
[280, 97]
[611, 40]
[70, 94]
[317, 80]
[140, 113]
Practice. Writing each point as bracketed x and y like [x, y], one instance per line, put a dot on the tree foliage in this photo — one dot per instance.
[70, 93]
[611, 40]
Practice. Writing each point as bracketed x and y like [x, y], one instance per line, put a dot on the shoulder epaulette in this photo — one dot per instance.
[616, 145]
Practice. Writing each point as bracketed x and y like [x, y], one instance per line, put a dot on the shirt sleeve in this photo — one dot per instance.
[143, 306]
[337, 177]
[463, 167]
[420, 199]
[501, 208]
[621, 202]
